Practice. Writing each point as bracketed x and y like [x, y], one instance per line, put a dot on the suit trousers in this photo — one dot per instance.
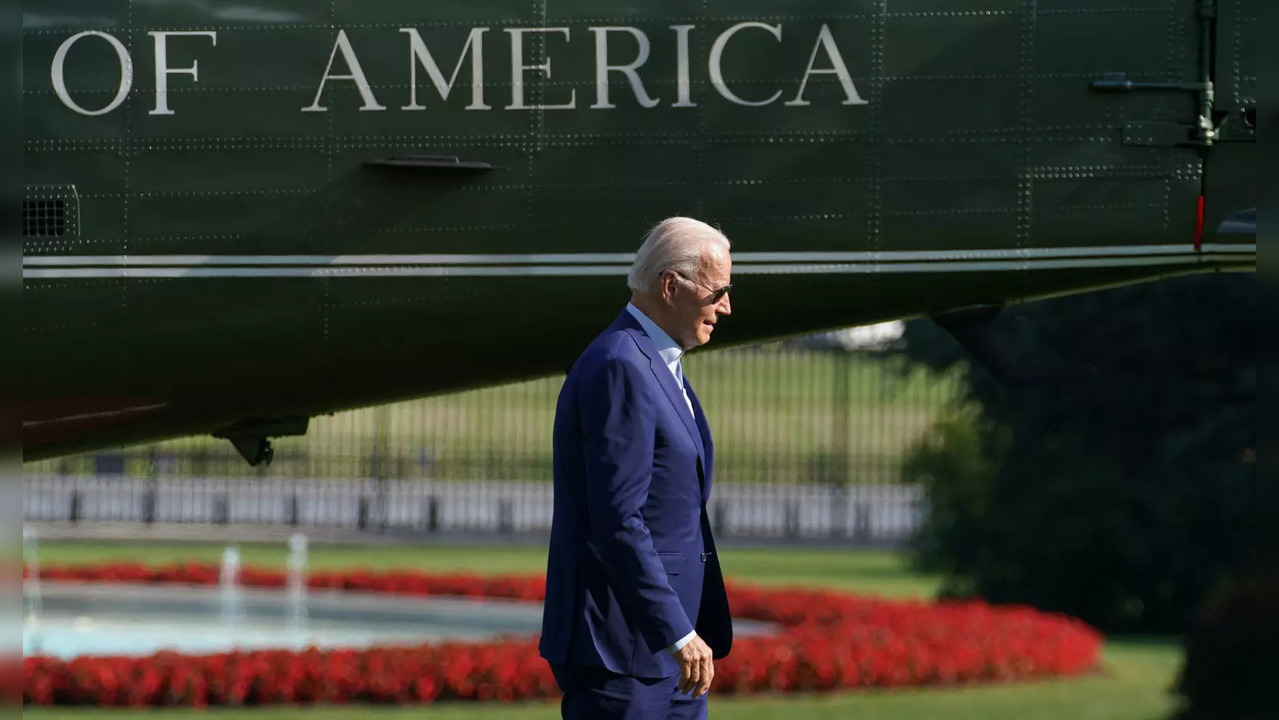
[594, 693]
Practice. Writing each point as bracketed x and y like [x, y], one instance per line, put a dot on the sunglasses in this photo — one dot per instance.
[717, 294]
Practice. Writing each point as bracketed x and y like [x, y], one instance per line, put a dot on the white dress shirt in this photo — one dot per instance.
[671, 353]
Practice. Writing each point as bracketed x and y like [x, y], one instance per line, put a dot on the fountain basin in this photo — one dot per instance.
[102, 619]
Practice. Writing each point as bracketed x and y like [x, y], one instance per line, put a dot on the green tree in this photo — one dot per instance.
[1121, 489]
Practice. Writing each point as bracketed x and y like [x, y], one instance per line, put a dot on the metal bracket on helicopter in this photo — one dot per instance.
[252, 439]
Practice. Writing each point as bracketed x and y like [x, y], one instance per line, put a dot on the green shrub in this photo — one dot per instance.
[1122, 491]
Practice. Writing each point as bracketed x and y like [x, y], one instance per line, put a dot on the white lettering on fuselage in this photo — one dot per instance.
[682, 81]
[614, 54]
[518, 67]
[717, 54]
[163, 71]
[59, 81]
[602, 68]
[357, 75]
[838, 69]
[419, 54]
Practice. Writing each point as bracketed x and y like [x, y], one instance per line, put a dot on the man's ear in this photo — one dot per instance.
[669, 282]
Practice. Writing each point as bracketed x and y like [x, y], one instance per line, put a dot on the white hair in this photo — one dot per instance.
[675, 243]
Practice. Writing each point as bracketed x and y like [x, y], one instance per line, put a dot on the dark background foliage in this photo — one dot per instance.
[1120, 485]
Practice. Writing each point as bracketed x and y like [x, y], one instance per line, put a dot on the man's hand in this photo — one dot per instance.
[696, 669]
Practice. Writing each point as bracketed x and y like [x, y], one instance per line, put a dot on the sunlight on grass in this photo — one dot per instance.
[874, 572]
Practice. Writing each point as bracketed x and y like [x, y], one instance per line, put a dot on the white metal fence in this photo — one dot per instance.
[873, 514]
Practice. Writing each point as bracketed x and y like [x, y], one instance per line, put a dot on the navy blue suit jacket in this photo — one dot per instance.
[632, 565]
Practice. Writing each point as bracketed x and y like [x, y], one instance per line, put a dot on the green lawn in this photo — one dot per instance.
[864, 571]
[1132, 685]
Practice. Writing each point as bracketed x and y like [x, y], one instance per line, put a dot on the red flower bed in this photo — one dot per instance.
[829, 641]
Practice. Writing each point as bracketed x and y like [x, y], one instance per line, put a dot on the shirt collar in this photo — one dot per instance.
[670, 351]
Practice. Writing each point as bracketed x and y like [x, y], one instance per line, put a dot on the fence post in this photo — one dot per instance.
[222, 509]
[841, 471]
[383, 506]
[433, 514]
[838, 502]
[382, 459]
[362, 515]
[505, 516]
[149, 503]
[73, 515]
[792, 519]
[861, 522]
[293, 510]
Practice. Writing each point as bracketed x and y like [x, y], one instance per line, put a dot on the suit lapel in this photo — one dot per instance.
[708, 445]
[662, 374]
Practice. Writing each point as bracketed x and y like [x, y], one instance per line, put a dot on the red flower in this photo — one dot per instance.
[828, 641]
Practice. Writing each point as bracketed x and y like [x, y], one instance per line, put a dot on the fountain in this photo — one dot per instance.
[31, 596]
[297, 580]
[229, 582]
[123, 619]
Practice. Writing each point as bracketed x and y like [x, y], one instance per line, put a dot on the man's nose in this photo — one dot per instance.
[725, 306]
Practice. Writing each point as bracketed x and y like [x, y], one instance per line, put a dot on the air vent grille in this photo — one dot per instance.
[44, 218]
[50, 213]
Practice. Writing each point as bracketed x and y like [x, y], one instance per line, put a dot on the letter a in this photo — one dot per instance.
[824, 40]
[370, 102]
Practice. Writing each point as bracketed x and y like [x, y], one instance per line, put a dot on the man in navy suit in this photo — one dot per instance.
[635, 608]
